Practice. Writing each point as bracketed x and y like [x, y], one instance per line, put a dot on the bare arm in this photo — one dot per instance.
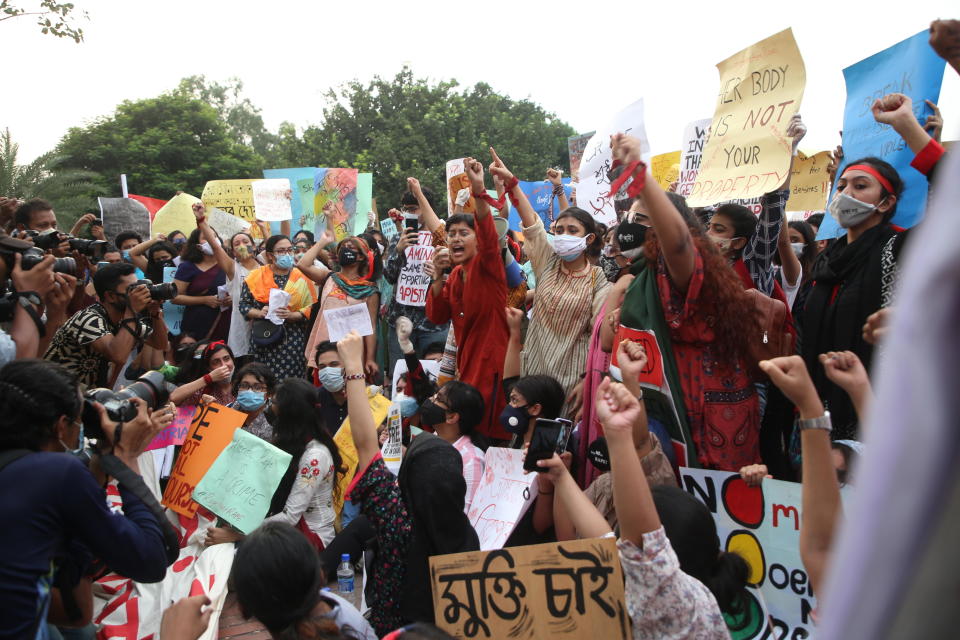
[577, 510]
[896, 110]
[788, 259]
[226, 262]
[555, 176]
[185, 299]
[528, 217]
[305, 264]
[137, 252]
[512, 363]
[362, 427]
[428, 216]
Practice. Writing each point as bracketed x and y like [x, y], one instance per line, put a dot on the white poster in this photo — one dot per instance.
[341, 321]
[694, 138]
[412, 283]
[504, 495]
[271, 199]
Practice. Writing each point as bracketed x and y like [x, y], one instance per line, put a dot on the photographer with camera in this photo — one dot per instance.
[105, 333]
[55, 512]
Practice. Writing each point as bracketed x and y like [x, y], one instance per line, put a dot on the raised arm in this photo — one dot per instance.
[528, 217]
[788, 259]
[896, 110]
[570, 504]
[137, 256]
[362, 427]
[305, 264]
[474, 171]
[632, 359]
[512, 362]
[555, 176]
[226, 262]
[428, 216]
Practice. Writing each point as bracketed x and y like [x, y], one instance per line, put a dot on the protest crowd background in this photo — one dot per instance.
[623, 392]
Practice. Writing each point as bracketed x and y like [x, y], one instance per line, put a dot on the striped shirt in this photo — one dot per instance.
[759, 252]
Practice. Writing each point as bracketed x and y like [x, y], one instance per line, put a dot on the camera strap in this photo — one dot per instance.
[27, 300]
[135, 485]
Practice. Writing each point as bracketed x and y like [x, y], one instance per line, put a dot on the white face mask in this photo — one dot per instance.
[848, 211]
[569, 247]
[723, 244]
[206, 248]
[797, 248]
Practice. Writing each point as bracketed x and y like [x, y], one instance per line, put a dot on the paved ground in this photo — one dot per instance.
[232, 624]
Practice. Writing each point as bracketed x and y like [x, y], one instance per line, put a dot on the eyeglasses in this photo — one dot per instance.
[283, 252]
[409, 208]
[246, 386]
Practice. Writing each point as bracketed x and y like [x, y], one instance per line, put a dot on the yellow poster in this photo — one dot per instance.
[665, 168]
[176, 215]
[233, 196]
[748, 153]
[379, 405]
[809, 182]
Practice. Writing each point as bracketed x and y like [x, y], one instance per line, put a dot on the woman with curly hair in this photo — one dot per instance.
[687, 294]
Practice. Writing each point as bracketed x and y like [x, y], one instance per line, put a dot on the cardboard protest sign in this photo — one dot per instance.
[379, 404]
[342, 320]
[153, 205]
[594, 184]
[234, 197]
[210, 432]
[124, 214]
[271, 199]
[504, 495]
[748, 153]
[809, 182]
[652, 373]
[176, 215]
[456, 180]
[176, 433]
[665, 169]
[225, 224]
[910, 67]
[694, 138]
[297, 202]
[570, 589]
[364, 202]
[172, 313]
[575, 148]
[240, 483]
[392, 449]
[413, 282]
[389, 229]
[335, 201]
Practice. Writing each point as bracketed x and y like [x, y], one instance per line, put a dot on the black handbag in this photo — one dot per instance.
[264, 333]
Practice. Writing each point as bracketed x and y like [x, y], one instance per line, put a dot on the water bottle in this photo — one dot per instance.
[345, 574]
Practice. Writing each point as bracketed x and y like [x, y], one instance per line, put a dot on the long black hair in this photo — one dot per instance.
[297, 421]
[192, 252]
[33, 396]
[590, 226]
[196, 362]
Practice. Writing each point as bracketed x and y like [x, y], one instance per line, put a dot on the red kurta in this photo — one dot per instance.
[476, 308]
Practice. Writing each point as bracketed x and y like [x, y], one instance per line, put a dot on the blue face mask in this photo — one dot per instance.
[79, 450]
[408, 406]
[249, 400]
[331, 378]
[125, 255]
[285, 261]
[515, 419]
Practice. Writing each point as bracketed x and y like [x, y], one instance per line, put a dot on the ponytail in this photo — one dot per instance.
[727, 582]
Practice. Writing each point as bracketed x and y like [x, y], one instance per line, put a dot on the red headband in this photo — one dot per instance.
[876, 174]
[214, 345]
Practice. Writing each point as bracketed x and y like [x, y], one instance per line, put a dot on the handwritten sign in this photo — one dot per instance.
[665, 168]
[210, 432]
[748, 153]
[412, 283]
[232, 196]
[389, 229]
[379, 405]
[694, 138]
[912, 68]
[355, 317]
[176, 215]
[335, 201]
[271, 199]
[575, 148]
[456, 180]
[172, 313]
[298, 204]
[392, 449]
[176, 433]
[225, 224]
[594, 183]
[568, 589]
[809, 182]
[504, 495]
[124, 214]
[241, 481]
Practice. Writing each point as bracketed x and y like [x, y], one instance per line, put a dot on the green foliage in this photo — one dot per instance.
[54, 18]
[45, 178]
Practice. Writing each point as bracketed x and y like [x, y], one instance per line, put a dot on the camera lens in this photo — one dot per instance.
[91, 248]
[150, 387]
[33, 256]
[164, 291]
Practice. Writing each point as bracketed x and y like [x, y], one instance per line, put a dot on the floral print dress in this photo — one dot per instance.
[311, 497]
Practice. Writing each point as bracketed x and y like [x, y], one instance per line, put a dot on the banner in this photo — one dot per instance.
[176, 215]
[210, 432]
[335, 201]
[694, 137]
[504, 495]
[540, 195]
[172, 313]
[152, 204]
[176, 433]
[748, 153]
[413, 282]
[575, 148]
[912, 68]
[665, 169]
[652, 373]
[124, 214]
[809, 182]
[271, 199]
[241, 481]
[456, 180]
[568, 589]
[593, 184]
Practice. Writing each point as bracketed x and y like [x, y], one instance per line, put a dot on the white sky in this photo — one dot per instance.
[582, 60]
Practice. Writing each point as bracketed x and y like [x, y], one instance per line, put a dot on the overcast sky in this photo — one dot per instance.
[581, 60]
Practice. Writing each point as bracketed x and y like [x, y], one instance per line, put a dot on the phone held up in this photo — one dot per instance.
[549, 437]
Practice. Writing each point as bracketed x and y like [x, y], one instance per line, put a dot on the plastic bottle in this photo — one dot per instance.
[345, 574]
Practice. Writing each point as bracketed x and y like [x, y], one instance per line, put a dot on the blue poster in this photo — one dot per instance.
[172, 313]
[912, 68]
[540, 195]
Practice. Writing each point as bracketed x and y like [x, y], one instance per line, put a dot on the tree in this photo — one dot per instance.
[165, 144]
[408, 127]
[67, 189]
[54, 18]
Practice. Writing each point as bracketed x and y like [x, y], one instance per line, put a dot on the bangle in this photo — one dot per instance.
[208, 378]
[354, 376]
[822, 423]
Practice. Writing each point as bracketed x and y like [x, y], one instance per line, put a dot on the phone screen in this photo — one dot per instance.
[543, 442]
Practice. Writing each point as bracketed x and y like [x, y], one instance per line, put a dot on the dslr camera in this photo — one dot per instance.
[160, 292]
[32, 256]
[48, 241]
[150, 387]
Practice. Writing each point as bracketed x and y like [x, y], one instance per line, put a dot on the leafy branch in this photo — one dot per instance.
[54, 18]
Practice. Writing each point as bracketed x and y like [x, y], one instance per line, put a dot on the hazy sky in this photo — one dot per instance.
[582, 60]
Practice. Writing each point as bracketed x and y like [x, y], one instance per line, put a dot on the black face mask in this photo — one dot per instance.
[431, 414]
[347, 257]
[631, 235]
[120, 301]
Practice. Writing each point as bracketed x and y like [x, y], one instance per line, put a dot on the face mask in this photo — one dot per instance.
[250, 400]
[125, 255]
[569, 247]
[797, 248]
[723, 244]
[848, 211]
[79, 450]
[515, 419]
[47, 232]
[331, 378]
[431, 414]
[380, 248]
[179, 242]
[610, 268]
[206, 248]
[631, 235]
[285, 261]
[346, 257]
[408, 406]
[121, 302]
[243, 252]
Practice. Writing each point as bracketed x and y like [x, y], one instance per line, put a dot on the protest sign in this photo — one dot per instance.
[297, 202]
[748, 153]
[910, 67]
[172, 313]
[342, 320]
[304, 190]
[335, 201]
[413, 282]
[153, 205]
[364, 202]
[271, 199]
[379, 404]
[225, 224]
[694, 137]
[809, 182]
[570, 589]
[456, 180]
[389, 229]
[504, 495]
[176, 215]
[176, 433]
[232, 196]
[210, 432]
[540, 195]
[240, 483]
[124, 214]
[392, 449]
[594, 184]
[575, 147]
[652, 373]
[665, 169]
[431, 367]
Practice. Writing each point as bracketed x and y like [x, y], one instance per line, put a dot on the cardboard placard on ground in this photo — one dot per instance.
[176, 215]
[665, 168]
[210, 432]
[240, 483]
[748, 153]
[568, 589]
[176, 433]
[504, 495]
[124, 214]
[342, 320]
[809, 182]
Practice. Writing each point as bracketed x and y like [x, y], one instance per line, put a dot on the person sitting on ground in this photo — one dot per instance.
[207, 372]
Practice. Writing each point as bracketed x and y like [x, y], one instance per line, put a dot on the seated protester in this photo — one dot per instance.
[328, 376]
[416, 515]
[54, 510]
[95, 342]
[253, 386]
[453, 414]
[279, 581]
[304, 498]
[207, 372]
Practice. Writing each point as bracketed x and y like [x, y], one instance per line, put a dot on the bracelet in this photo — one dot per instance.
[354, 376]
[823, 423]
[208, 379]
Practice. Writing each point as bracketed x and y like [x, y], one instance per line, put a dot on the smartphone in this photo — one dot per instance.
[411, 223]
[549, 437]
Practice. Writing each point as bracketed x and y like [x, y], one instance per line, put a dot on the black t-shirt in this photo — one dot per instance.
[333, 414]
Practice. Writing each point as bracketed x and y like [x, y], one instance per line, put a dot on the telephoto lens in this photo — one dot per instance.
[150, 387]
[160, 292]
[33, 256]
[90, 248]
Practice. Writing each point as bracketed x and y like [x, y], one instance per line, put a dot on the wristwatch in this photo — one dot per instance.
[823, 422]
